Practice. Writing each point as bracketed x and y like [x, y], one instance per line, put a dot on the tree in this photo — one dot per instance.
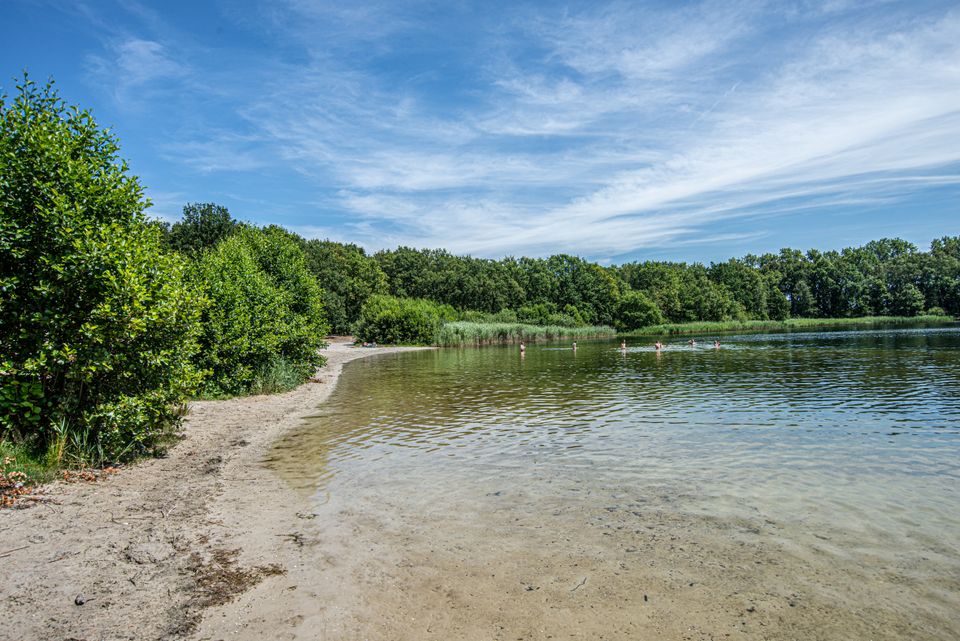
[907, 300]
[745, 285]
[97, 328]
[803, 304]
[348, 278]
[636, 310]
[265, 324]
[203, 226]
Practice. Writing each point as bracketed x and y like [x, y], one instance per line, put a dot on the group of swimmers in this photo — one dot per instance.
[523, 348]
[658, 346]
[692, 343]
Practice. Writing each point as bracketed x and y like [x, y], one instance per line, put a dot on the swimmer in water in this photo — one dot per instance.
[574, 345]
[522, 347]
[658, 346]
[692, 342]
[623, 346]
[716, 344]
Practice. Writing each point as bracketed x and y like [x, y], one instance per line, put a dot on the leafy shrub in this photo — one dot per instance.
[539, 314]
[97, 327]
[387, 319]
[265, 313]
[906, 300]
[635, 310]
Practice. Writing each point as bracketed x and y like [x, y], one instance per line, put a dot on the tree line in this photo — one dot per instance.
[887, 277]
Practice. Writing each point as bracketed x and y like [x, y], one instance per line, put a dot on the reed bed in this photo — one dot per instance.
[464, 333]
[708, 327]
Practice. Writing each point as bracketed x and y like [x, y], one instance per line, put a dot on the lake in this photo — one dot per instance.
[796, 485]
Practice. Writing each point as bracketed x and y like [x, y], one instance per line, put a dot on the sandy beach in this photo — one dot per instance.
[156, 550]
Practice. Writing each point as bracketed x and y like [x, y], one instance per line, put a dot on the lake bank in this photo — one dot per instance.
[790, 324]
[149, 550]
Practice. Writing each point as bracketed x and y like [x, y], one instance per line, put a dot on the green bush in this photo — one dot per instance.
[636, 310]
[387, 319]
[97, 327]
[265, 313]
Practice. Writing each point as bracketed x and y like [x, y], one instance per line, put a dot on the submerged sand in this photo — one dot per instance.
[209, 543]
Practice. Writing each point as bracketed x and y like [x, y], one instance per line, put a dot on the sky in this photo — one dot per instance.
[615, 131]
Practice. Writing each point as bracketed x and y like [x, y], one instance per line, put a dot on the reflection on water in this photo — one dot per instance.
[842, 447]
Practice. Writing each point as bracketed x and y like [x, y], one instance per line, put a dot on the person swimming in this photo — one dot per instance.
[716, 344]
[574, 345]
[692, 343]
[623, 345]
[523, 347]
[658, 346]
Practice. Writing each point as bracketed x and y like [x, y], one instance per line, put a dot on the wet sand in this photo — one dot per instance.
[618, 566]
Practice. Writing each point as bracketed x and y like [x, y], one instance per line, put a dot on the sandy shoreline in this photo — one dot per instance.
[165, 549]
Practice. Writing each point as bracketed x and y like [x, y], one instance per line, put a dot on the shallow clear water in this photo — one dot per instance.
[839, 451]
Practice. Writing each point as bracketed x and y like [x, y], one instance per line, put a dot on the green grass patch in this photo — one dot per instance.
[719, 327]
[16, 457]
[464, 333]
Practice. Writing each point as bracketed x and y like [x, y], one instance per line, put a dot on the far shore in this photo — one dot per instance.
[153, 551]
[790, 324]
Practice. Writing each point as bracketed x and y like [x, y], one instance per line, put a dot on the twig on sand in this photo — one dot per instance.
[579, 585]
[9, 552]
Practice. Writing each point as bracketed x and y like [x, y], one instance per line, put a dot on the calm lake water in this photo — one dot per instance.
[802, 485]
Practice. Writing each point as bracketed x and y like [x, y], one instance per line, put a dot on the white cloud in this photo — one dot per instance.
[221, 151]
[597, 131]
[136, 68]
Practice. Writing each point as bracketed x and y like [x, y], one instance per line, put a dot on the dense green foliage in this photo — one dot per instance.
[637, 310]
[388, 319]
[97, 329]
[560, 285]
[464, 333]
[265, 322]
[885, 277]
[203, 226]
[348, 278]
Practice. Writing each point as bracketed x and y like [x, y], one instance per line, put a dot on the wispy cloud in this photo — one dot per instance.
[135, 67]
[598, 130]
[217, 151]
[829, 108]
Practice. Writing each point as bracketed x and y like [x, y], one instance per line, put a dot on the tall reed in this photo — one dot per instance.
[709, 327]
[463, 333]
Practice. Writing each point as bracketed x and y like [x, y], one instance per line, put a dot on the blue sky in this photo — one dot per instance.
[666, 130]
